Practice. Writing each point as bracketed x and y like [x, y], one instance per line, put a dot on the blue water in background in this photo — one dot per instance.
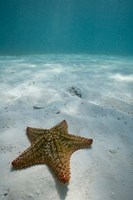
[66, 26]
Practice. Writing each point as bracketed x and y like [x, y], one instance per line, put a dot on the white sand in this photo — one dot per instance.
[104, 113]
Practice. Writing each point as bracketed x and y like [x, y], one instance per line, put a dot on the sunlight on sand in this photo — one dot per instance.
[95, 95]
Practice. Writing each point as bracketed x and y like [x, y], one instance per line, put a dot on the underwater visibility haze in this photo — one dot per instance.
[66, 26]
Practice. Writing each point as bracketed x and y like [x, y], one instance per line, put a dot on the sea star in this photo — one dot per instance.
[53, 147]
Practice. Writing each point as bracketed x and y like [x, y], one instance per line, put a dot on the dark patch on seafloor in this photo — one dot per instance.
[75, 91]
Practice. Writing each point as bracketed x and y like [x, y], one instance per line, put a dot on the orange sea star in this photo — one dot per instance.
[53, 147]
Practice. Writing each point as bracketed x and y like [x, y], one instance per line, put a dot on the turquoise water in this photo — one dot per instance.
[66, 26]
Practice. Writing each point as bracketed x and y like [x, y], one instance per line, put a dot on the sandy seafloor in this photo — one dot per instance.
[104, 112]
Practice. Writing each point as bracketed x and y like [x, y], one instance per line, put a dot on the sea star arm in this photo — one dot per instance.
[77, 142]
[35, 133]
[61, 127]
[31, 156]
[61, 168]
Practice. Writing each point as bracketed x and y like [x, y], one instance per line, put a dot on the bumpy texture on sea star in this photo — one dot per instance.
[53, 147]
